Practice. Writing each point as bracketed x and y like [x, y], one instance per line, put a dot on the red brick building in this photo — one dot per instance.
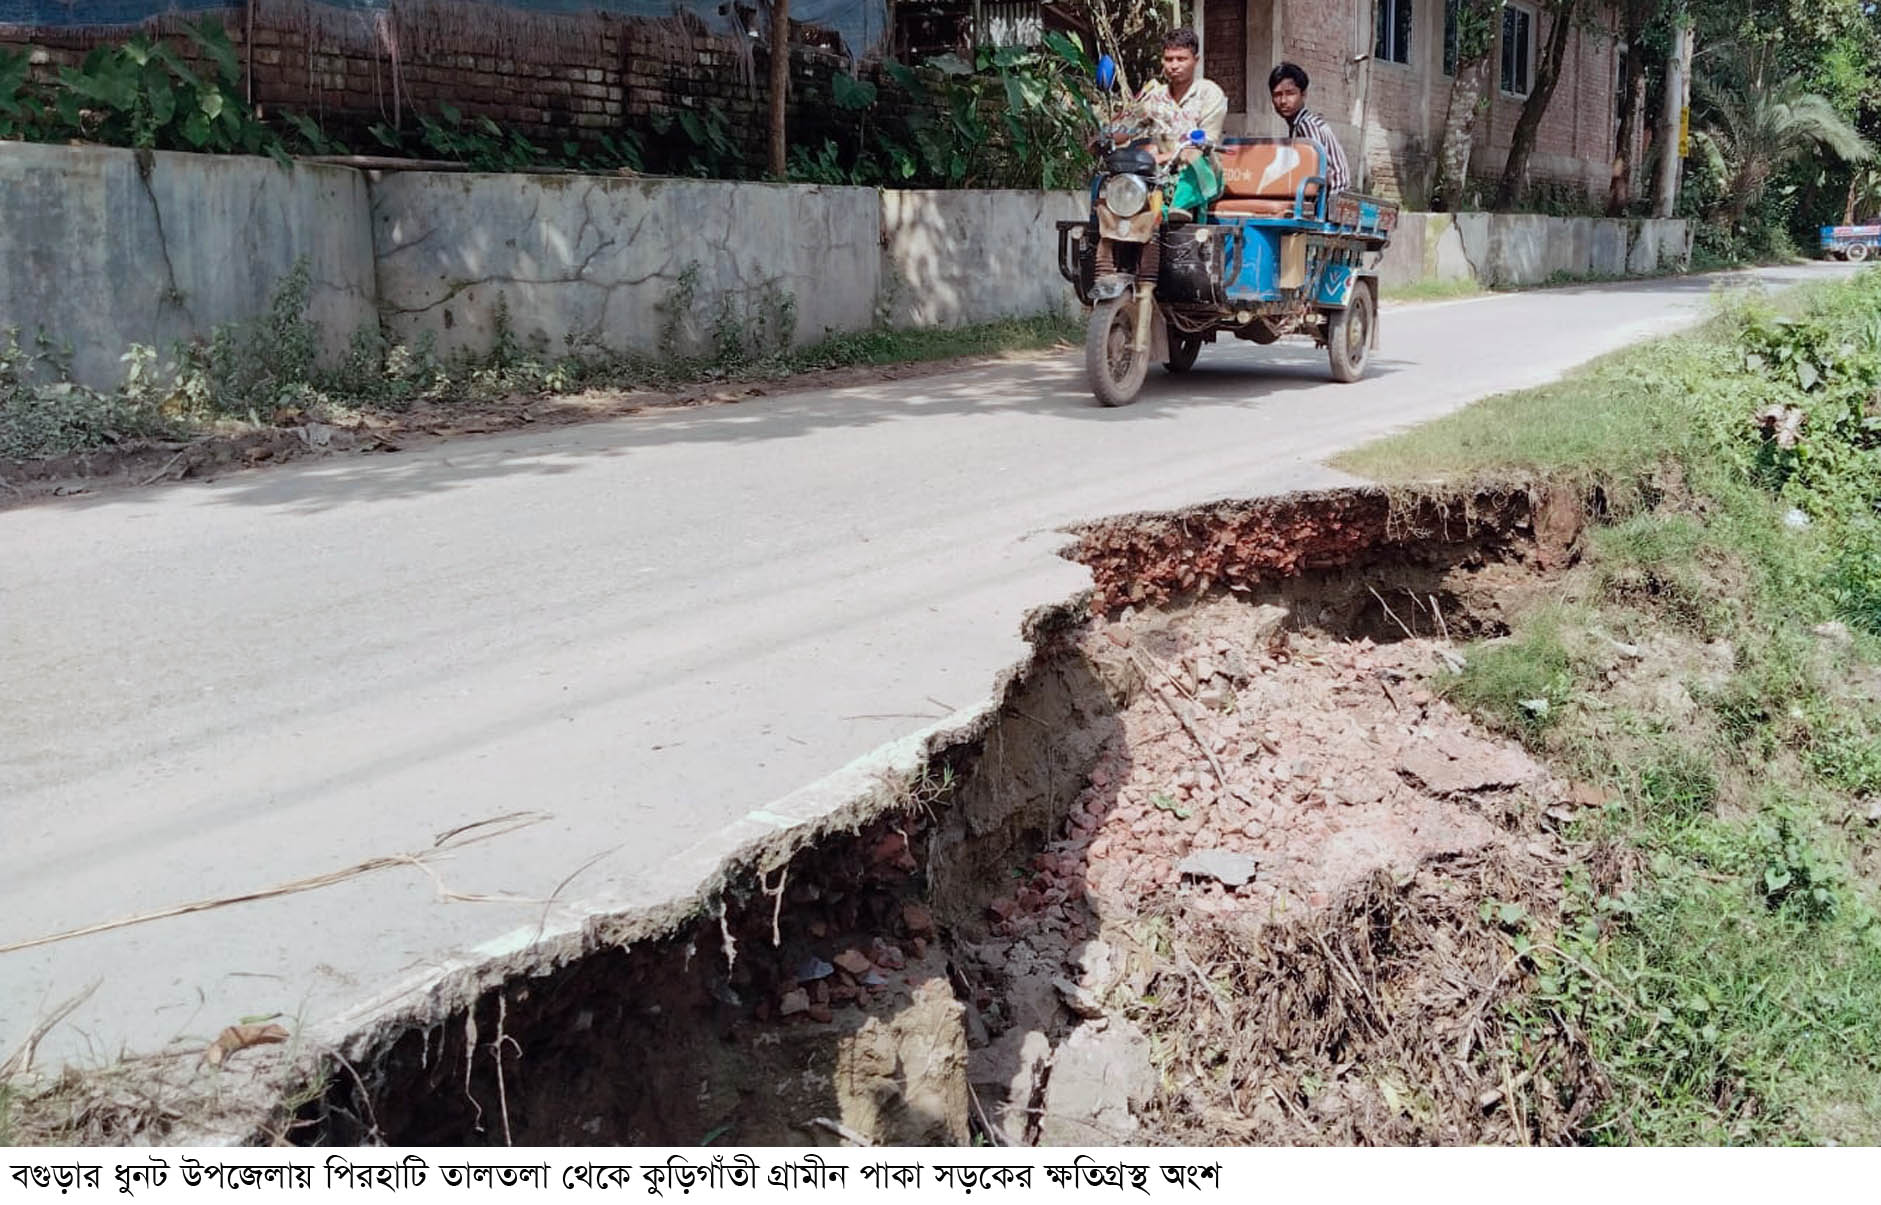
[1381, 72]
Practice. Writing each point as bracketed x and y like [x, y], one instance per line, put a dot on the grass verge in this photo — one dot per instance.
[267, 372]
[1709, 673]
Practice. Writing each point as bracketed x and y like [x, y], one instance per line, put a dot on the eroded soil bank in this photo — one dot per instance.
[1216, 870]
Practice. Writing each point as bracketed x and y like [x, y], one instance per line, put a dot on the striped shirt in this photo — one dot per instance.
[1308, 124]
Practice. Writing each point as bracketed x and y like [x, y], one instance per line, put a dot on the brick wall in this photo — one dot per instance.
[615, 76]
[1318, 36]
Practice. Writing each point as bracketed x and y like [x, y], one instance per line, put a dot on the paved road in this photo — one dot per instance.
[647, 629]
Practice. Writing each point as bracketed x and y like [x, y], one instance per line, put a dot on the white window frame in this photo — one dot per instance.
[1389, 28]
[1528, 68]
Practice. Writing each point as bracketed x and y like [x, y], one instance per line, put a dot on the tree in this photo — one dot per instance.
[1476, 22]
[1753, 126]
[1636, 20]
[1864, 194]
[1563, 16]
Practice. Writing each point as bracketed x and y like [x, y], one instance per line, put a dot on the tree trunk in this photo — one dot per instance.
[780, 87]
[1632, 107]
[1848, 206]
[1528, 126]
[1678, 78]
[1475, 60]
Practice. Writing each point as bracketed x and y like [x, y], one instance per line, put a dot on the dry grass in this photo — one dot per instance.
[1380, 1020]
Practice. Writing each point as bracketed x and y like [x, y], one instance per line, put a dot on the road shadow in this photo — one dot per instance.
[1051, 388]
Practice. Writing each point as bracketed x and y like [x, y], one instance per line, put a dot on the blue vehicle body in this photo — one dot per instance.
[1852, 242]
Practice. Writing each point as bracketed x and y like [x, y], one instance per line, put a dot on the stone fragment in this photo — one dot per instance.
[1006, 1076]
[1222, 865]
[1080, 1000]
[854, 961]
[1480, 768]
[917, 920]
[794, 1002]
[902, 1079]
[1099, 1077]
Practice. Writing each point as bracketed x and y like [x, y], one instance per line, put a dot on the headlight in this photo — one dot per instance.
[1125, 196]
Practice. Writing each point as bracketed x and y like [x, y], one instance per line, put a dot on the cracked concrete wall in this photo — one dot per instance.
[954, 258]
[106, 247]
[607, 260]
[1500, 249]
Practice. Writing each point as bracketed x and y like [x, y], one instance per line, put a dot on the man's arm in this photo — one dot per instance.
[1214, 106]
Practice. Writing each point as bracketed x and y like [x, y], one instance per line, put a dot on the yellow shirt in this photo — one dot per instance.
[1203, 107]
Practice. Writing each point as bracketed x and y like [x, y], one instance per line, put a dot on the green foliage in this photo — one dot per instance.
[699, 142]
[1732, 993]
[477, 142]
[1754, 124]
[143, 94]
[43, 412]
[1522, 683]
[1678, 783]
[1014, 117]
[22, 115]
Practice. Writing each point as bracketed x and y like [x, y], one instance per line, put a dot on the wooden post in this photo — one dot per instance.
[780, 87]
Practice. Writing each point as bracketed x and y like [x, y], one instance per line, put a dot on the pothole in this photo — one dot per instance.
[1213, 872]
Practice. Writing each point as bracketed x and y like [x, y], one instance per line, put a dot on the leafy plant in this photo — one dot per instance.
[478, 142]
[708, 148]
[1013, 117]
[142, 94]
[21, 115]
[44, 412]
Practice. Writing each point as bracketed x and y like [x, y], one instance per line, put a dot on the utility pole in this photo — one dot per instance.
[1674, 119]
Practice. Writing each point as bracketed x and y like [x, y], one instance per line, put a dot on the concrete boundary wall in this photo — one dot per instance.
[1502, 249]
[105, 247]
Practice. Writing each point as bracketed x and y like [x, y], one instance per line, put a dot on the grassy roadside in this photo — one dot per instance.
[1709, 672]
[266, 373]
[1457, 290]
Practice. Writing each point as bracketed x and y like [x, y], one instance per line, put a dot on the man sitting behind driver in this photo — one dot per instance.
[1286, 84]
[1176, 104]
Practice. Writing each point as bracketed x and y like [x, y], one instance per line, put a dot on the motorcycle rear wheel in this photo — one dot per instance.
[1110, 357]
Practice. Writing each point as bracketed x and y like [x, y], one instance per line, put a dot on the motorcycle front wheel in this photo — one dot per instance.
[1110, 357]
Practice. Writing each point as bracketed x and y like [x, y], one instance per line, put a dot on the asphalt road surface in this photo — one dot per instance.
[651, 631]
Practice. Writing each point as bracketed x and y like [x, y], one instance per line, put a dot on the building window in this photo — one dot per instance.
[1518, 49]
[1449, 35]
[1394, 31]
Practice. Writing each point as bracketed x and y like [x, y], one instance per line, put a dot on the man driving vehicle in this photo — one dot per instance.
[1173, 106]
[1170, 108]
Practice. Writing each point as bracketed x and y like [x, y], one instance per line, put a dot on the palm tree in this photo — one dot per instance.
[1753, 128]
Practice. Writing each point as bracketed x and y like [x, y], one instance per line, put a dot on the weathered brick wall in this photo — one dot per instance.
[553, 90]
[1318, 36]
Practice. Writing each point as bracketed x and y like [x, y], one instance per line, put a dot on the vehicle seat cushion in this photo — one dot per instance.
[1254, 207]
[1268, 170]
